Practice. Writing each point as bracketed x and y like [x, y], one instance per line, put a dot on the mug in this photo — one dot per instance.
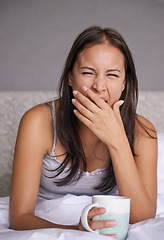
[117, 208]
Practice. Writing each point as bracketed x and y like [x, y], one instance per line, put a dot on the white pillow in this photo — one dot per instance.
[160, 175]
[160, 167]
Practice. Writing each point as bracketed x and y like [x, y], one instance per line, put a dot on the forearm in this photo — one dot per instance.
[30, 222]
[130, 184]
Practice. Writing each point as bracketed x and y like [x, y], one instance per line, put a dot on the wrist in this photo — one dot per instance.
[118, 144]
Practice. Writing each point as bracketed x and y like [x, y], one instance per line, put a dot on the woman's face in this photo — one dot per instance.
[100, 68]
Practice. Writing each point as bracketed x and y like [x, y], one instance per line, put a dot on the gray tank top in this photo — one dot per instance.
[84, 186]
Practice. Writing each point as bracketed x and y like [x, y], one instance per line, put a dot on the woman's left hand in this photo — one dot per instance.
[104, 121]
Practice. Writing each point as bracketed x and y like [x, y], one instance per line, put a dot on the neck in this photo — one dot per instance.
[87, 136]
[96, 152]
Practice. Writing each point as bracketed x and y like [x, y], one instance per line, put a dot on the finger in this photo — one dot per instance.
[85, 101]
[102, 224]
[82, 109]
[82, 118]
[96, 211]
[112, 235]
[116, 106]
[98, 100]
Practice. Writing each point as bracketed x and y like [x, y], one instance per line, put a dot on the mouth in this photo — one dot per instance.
[104, 99]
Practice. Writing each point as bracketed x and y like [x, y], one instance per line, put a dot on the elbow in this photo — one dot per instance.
[14, 224]
[11, 226]
[13, 221]
[143, 214]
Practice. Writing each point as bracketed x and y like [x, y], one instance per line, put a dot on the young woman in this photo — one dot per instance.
[90, 140]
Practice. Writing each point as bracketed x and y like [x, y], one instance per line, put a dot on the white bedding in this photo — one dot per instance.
[67, 210]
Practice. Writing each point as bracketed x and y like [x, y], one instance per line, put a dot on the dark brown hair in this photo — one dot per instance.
[66, 121]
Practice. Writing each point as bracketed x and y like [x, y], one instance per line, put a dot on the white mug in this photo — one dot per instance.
[117, 208]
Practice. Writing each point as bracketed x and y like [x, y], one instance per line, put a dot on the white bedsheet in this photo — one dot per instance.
[67, 210]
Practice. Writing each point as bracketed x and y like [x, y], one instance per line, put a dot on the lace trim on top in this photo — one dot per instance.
[97, 171]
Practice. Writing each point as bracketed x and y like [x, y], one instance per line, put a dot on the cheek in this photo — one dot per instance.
[118, 94]
[115, 92]
[78, 85]
[78, 82]
[115, 88]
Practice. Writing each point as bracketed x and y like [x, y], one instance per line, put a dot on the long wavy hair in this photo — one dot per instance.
[66, 121]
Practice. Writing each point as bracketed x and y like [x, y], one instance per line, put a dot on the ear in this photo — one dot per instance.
[70, 77]
[123, 85]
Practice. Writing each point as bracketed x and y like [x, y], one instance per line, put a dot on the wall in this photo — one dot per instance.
[36, 35]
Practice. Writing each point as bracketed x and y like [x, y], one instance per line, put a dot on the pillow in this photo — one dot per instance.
[160, 175]
[160, 166]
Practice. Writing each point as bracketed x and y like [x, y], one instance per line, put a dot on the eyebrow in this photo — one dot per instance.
[110, 70]
[114, 70]
[89, 68]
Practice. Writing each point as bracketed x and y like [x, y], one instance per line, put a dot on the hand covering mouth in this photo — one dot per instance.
[104, 98]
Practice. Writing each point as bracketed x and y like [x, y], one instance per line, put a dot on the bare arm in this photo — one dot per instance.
[34, 140]
[136, 177]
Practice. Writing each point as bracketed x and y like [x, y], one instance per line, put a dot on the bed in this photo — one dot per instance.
[12, 107]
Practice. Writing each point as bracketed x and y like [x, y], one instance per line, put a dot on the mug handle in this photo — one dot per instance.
[84, 218]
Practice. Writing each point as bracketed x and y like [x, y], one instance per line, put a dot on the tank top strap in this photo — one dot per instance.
[54, 126]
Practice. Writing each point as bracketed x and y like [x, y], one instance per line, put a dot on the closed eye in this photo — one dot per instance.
[113, 75]
[89, 73]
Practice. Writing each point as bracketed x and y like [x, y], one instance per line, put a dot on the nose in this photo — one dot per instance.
[99, 84]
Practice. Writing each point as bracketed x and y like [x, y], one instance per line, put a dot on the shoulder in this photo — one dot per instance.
[145, 134]
[38, 111]
[37, 125]
[144, 128]
[38, 116]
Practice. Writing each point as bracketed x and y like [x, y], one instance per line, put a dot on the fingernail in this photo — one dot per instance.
[74, 92]
[102, 210]
[121, 102]
[112, 223]
[73, 100]
[113, 235]
[85, 88]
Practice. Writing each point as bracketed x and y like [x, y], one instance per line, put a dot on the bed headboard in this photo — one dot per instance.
[14, 104]
[151, 106]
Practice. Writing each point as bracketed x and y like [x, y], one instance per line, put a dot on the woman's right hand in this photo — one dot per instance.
[94, 225]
